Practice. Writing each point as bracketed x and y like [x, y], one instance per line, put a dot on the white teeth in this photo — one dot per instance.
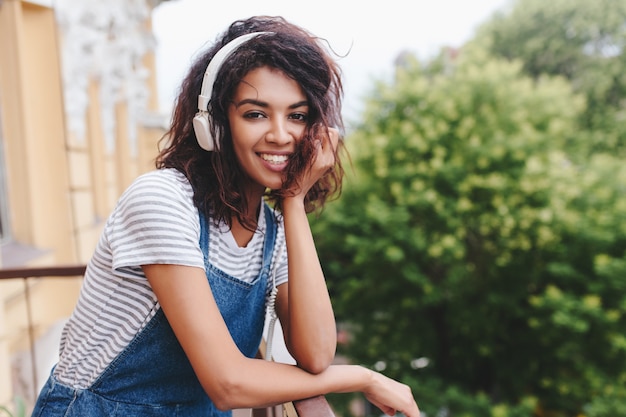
[275, 159]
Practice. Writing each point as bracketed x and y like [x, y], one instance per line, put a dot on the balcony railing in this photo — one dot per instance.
[310, 407]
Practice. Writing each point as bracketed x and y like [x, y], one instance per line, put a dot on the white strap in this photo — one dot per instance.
[271, 307]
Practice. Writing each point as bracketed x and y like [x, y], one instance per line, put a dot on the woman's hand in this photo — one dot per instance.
[325, 158]
[391, 396]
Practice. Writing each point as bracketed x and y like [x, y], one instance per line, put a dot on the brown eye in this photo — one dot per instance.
[254, 115]
[301, 117]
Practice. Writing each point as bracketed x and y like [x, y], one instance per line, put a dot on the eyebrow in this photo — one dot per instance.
[266, 104]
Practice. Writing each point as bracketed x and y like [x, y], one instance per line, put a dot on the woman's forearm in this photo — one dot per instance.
[286, 383]
[308, 322]
[289, 383]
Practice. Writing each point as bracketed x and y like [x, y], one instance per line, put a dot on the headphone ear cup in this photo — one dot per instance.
[203, 132]
[201, 124]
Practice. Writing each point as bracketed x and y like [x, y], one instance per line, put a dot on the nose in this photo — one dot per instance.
[279, 133]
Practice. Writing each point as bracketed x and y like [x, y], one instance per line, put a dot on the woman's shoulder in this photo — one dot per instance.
[159, 197]
[167, 181]
[164, 176]
[159, 188]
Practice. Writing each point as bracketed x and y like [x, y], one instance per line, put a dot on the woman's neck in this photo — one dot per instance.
[244, 230]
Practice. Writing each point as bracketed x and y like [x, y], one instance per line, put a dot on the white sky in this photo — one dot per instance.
[374, 33]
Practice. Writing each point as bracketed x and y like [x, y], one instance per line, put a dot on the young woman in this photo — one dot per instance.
[173, 304]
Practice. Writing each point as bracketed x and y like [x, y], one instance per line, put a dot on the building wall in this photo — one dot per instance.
[33, 129]
[65, 166]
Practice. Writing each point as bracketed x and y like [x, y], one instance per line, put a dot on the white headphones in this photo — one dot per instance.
[201, 123]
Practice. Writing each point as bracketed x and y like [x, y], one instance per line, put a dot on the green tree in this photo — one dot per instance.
[468, 255]
[582, 40]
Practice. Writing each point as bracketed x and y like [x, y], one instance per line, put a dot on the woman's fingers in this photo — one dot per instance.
[327, 148]
[324, 158]
[330, 140]
[333, 138]
[392, 396]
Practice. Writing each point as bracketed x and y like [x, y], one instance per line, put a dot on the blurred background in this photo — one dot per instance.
[478, 250]
[367, 38]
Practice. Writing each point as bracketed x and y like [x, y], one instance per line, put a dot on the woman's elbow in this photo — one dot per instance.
[318, 363]
[221, 405]
[221, 400]
[225, 395]
[312, 355]
[314, 368]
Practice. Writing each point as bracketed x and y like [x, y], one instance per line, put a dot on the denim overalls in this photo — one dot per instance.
[152, 376]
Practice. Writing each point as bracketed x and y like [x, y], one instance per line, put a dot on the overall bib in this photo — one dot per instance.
[152, 375]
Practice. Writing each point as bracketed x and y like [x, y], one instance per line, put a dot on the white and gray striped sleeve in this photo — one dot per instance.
[155, 222]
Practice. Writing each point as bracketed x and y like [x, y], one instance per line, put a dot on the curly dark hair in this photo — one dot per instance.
[216, 177]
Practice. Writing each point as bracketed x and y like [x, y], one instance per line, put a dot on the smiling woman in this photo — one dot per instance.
[173, 305]
[267, 117]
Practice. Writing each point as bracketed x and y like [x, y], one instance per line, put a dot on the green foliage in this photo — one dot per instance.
[467, 236]
[581, 40]
[609, 402]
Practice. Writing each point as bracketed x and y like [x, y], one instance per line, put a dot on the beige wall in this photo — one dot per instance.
[33, 129]
[60, 189]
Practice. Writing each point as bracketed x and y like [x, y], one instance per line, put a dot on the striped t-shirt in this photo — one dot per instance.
[154, 222]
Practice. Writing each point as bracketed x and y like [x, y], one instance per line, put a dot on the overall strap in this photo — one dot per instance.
[204, 235]
[273, 291]
[270, 238]
[242, 304]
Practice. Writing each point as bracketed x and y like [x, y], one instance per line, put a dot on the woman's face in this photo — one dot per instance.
[267, 116]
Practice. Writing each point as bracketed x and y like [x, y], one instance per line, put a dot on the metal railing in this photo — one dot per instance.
[27, 274]
[310, 407]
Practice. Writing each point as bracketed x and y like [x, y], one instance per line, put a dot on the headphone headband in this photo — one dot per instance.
[201, 123]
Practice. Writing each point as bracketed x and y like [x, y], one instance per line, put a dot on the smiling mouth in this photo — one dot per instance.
[274, 159]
